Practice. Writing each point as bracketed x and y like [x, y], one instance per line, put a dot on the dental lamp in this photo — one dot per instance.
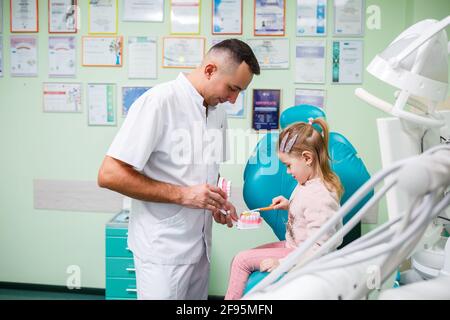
[416, 63]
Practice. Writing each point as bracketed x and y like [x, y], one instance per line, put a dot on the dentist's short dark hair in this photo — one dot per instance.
[239, 51]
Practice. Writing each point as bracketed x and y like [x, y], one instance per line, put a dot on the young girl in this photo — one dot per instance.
[315, 199]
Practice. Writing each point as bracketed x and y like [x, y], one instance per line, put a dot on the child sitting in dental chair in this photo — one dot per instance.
[315, 199]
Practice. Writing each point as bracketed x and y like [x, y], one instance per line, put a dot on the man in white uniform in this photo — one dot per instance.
[166, 158]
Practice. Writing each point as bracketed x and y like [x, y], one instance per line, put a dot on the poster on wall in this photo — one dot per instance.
[266, 109]
[101, 99]
[311, 17]
[142, 57]
[227, 17]
[183, 52]
[349, 17]
[185, 16]
[102, 17]
[310, 61]
[347, 62]
[62, 16]
[62, 97]
[143, 10]
[312, 97]
[270, 19]
[271, 53]
[102, 51]
[24, 15]
[130, 95]
[236, 109]
[61, 56]
[24, 58]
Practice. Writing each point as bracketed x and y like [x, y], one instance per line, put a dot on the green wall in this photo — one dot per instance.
[37, 246]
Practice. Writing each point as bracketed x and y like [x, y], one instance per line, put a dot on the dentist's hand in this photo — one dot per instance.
[280, 203]
[203, 196]
[269, 264]
[228, 219]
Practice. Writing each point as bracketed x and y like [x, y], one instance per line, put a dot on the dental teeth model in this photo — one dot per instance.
[249, 220]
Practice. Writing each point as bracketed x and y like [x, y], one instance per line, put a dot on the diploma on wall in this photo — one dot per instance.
[24, 15]
[227, 17]
[312, 97]
[311, 17]
[102, 16]
[347, 62]
[143, 10]
[102, 51]
[270, 18]
[348, 17]
[310, 61]
[101, 104]
[62, 97]
[24, 57]
[62, 16]
[271, 53]
[61, 56]
[179, 52]
[185, 16]
[142, 57]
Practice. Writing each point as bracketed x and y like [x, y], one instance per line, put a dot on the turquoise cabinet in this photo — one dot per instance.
[120, 271]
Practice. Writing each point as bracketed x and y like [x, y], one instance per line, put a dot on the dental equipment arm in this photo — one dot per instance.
[351, 272]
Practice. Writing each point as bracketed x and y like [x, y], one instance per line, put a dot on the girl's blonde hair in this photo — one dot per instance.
[305, 138]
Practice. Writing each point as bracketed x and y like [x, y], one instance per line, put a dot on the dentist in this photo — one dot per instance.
[166, 158]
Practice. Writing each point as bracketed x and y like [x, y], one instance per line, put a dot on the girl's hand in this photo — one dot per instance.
[268, 264]
[280, 203]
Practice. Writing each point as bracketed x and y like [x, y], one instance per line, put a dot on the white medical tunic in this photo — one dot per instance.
[168, 136]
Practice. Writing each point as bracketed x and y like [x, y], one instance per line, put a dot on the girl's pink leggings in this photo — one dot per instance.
[245, 262]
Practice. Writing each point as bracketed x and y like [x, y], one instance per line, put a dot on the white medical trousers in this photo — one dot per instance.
[172, 282]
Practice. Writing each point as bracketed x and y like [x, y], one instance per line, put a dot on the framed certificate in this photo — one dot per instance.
[62, 56]
[142, 57]
[236, 109]
[62, 16]
[271, 53]
[61, 97]
[349, 17]
[24, 16]
[269, 18]
[266, 109]
[143, 10]
[101, 99]
[310, 61]
[24, 58]
[103, 17]
[102, 51]
[226, 17]
[311, 17]
[347, 62]
[312, 97]
[185, 16]
[183, 52]
[130, 95]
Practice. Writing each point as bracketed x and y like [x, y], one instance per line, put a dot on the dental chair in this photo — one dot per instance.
[265, 177]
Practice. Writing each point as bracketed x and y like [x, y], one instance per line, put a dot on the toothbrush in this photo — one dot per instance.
[261, 209]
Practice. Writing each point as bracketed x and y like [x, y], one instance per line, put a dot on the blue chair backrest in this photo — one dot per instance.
[265, 175]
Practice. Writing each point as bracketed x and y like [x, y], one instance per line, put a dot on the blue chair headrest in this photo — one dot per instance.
[265, 175]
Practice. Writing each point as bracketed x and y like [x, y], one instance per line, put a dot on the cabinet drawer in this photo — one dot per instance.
[117, 247]
[120, 288]
[120, 268]
[116, 232]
